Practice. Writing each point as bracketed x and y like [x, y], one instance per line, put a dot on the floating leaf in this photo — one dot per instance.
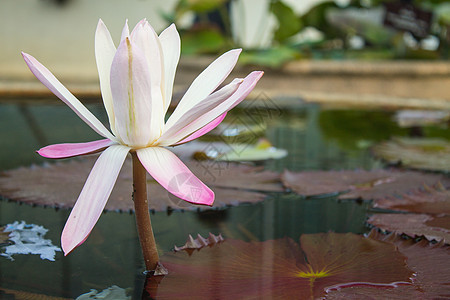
[429, 201]
[368, 185]
[411, 118]
[28, 239]
[280, 268]
[200, 242]
[112, 292]
[431, 266]
[425, 154]
[221, 151]
[414, 225]
[59, 185]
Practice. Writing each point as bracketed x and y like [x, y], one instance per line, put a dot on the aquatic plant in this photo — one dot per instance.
[136, 82]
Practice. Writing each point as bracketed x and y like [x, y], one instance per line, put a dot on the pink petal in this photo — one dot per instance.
[204, 130]
[207, 111]
[74, 149]
[205, 83]
[53, 84]
[171, 47]
[93, 197]
[166, 168]
[176, 130]
[134, 106]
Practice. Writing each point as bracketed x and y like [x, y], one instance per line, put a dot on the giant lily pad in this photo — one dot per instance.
[58, 185]
[430, 263]
[414, 225]
[425, 154]
[429, 201]
[368, 185]
[280, 269]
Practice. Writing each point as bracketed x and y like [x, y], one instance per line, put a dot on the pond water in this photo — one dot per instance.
[315, 138]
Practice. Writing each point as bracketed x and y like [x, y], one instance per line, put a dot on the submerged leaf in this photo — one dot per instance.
[414, 225]
[429, 201]
[425, 154]
[280, 268]
[59, 185]
[368, 185]
[200, 242]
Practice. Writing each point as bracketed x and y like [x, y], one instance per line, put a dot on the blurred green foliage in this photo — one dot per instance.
[211, 31]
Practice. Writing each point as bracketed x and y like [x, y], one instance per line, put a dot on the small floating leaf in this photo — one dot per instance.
[280, 268]
[221, 151]
[411, 118]
[368, 185]
[414, 225]
[425, 154]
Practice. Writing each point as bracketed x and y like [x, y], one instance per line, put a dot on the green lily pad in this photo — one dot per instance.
[425, 154]
[280, 269]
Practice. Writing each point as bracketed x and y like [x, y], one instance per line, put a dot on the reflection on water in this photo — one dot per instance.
[112, 255]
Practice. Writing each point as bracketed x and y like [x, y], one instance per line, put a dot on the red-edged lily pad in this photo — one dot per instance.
[414, 225]
[430, 262]
[280, 269]
[58, 185]
[359, 184]
[429, 200]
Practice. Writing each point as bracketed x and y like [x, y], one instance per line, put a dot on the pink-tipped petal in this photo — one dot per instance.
[166, 168]
[53, 84]
[74, 149]
[202, 131]
[176, 130]
[134, 106]
[93, 197]
[205, 83]
[171, 47]
[207, 111]
[104, 54]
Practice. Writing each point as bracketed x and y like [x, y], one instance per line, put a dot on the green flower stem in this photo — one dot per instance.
[144, 225]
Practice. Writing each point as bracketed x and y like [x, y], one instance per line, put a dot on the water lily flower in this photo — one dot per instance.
[136, 82]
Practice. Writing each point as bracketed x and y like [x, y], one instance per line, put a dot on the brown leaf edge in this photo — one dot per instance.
[200, 242]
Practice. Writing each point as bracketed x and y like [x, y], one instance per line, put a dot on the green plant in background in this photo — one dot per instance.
[274, 31]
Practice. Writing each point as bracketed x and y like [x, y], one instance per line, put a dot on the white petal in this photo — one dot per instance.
[171, 47]
[146, 39]
[125, 31]
[57, 88]
[93, 197]
[131, 90]
[206, 83]
[104, 54]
